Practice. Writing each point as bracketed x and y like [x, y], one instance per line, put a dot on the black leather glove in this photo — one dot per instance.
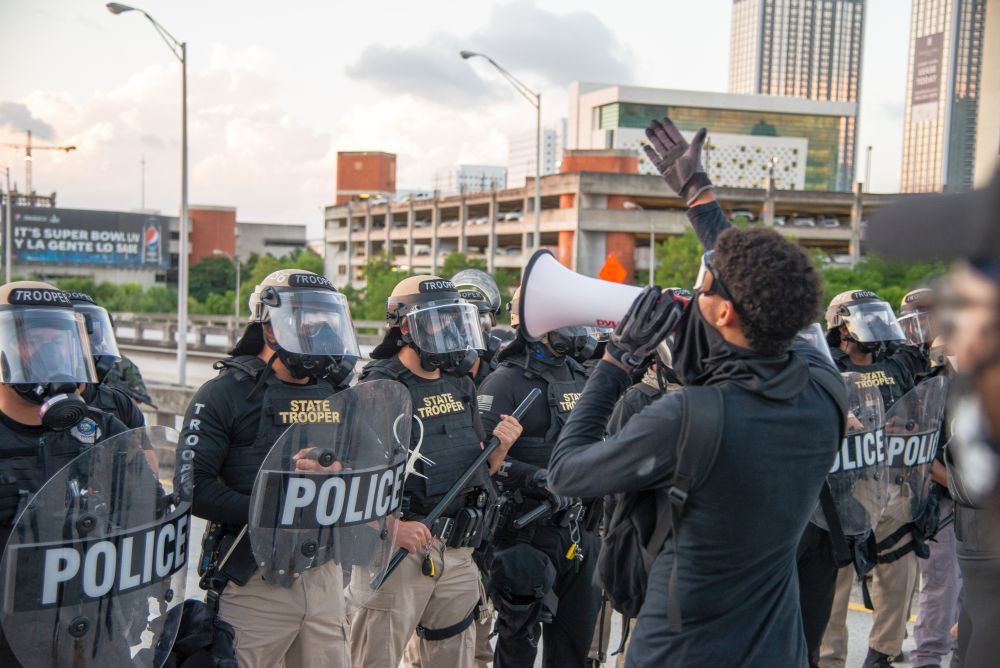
[652, 317]
[10, 497]
[677, 161]
[540, 480]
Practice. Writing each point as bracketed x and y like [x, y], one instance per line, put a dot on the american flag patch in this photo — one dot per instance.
[485, 402]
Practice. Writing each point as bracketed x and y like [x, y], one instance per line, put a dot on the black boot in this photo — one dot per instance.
[877, 660]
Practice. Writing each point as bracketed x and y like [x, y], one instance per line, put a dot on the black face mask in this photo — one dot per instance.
[333, 369]
[457, 363]
[60, 406]
[693, 345]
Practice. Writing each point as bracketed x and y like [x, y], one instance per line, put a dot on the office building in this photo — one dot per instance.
[942, 95]
[796, 48]
[808, 143]
[473, 178]
[521, 153]
[988, 123]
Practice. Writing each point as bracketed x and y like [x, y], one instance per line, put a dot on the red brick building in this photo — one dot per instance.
[365, 173]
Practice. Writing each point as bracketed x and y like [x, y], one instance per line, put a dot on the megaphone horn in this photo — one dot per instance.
[553, 296]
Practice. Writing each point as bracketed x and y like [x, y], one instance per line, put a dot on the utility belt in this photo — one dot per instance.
[514, 505]
[468, 525]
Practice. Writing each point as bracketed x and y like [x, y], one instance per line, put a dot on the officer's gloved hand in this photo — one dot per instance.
[540, 480]
[9, 499]
[652, 317]
[677, 161]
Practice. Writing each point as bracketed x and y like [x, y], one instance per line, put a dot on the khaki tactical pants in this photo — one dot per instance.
[891, 588]
[484, 627]
[301, 626]
[382, 627]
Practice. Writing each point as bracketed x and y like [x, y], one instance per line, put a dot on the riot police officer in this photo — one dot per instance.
[430, 346]
[44, 423]
[104, 350]
[866, 338]
[916, 318]
[298, 348]
[543, 571]
[479, 289]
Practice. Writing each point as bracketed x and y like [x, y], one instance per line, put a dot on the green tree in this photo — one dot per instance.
[209, 275]
[381, 276]
[677, 261]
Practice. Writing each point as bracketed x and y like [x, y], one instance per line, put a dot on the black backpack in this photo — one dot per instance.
[640, 522]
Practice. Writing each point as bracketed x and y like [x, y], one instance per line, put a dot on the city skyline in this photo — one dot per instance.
[269, 109]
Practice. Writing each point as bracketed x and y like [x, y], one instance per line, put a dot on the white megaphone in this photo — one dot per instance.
[553, 296]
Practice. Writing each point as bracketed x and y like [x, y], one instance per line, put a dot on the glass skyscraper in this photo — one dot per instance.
[801, 48]
[797, 48]
[942, 95]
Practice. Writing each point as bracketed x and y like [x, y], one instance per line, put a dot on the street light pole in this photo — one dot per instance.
[536, 100]
[7, 240]
[179, 49]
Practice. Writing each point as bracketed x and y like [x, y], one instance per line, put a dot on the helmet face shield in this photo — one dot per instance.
[479, 281]
[450, 327]
[313, 322]
[917, 327]
[102, 337]
[871, 322]
[44, 345]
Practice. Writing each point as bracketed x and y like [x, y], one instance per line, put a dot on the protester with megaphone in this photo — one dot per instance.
[557, 552]
[721, 589]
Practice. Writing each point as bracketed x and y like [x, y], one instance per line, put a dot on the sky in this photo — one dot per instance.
[276, 89]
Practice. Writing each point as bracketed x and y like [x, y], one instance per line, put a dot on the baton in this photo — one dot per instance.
[455, 490]
[536, 513]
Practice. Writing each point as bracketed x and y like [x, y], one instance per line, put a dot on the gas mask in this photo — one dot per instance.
[45, 356]
[312, 328]
[59, 406]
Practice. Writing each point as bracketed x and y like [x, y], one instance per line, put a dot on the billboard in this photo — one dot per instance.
[925, 91]
[84, 237]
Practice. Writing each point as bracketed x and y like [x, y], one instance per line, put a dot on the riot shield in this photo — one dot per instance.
[94, 571]
[329, 492]
[913, 434]
[858, 481]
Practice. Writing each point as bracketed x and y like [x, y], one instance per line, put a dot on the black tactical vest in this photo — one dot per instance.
[239, 470]
[446, 410]
[562, 395]
[884, 374]
[33, 458]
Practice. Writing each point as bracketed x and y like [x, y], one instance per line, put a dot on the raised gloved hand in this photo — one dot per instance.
[651, 318]
[677, 161]
[540, 480]
[10, 497]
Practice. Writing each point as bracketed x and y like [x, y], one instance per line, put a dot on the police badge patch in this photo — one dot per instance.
[85, 431]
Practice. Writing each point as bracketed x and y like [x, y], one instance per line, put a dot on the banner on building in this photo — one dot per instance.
[925, 93]
[76, 236]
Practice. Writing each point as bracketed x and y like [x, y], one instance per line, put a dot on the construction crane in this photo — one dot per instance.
[28, 147]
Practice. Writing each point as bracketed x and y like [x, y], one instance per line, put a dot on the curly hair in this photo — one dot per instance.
[774, 283]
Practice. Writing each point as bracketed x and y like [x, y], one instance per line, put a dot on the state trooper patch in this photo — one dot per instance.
[485, 402]
[86, 431]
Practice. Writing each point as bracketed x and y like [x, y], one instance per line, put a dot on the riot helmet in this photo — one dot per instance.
[860, 316]
[479, 289]
[100, 331]
[428, 314]
[311, 323]
[44, 351]
[916, 316]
